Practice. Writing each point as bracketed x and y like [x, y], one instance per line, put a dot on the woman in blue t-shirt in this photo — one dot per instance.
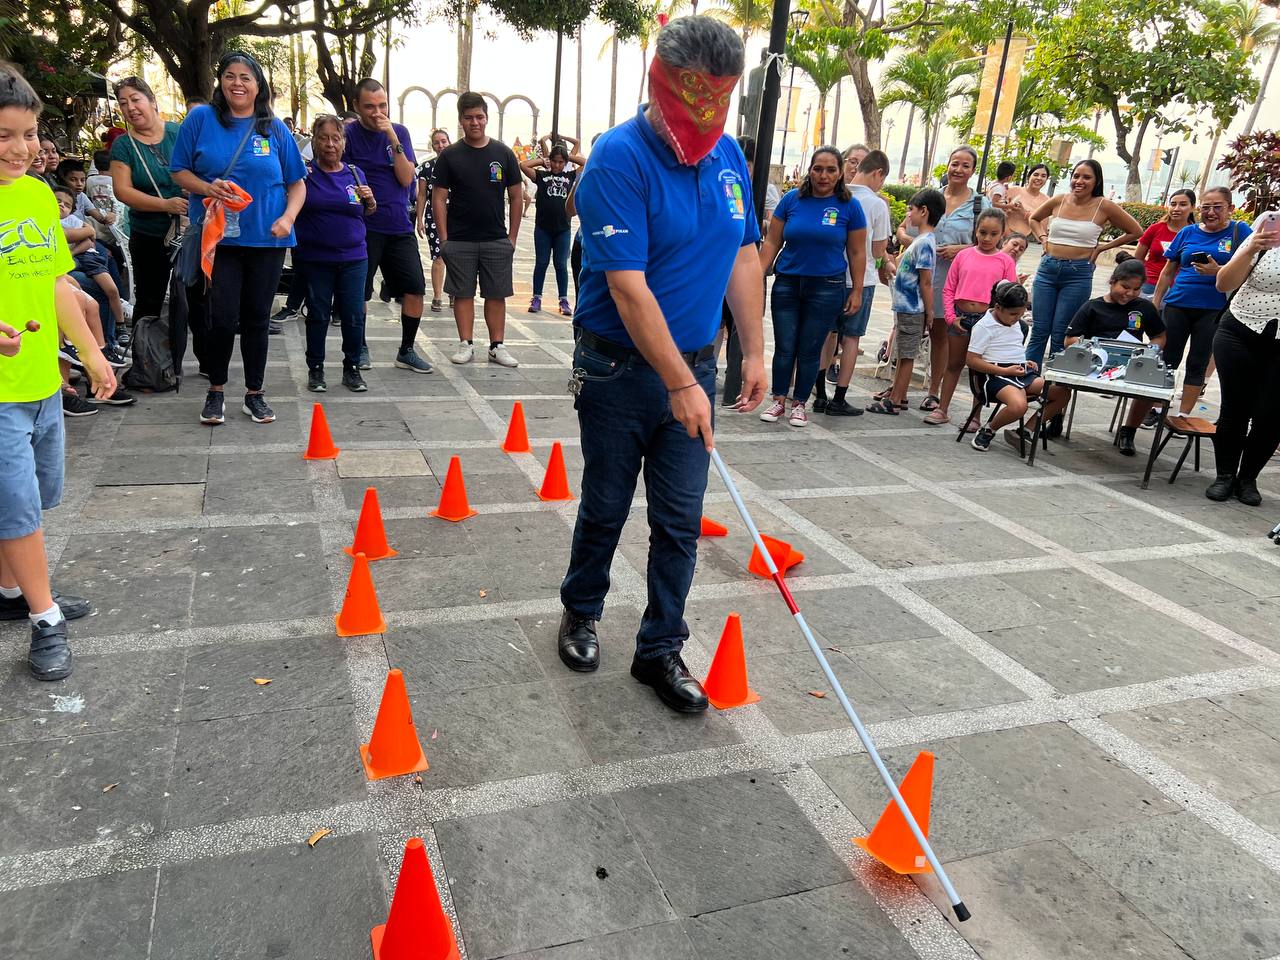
[236, 139]
[818, 231]
[1186, 291]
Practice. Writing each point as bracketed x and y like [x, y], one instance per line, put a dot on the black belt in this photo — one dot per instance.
[622, 354]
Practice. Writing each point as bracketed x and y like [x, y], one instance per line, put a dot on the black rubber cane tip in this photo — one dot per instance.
[962, 912]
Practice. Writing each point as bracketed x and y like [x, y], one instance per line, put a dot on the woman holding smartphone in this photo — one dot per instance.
[1186, 291]
[1247, 348]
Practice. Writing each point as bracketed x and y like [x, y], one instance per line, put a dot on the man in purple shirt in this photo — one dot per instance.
[384, 152]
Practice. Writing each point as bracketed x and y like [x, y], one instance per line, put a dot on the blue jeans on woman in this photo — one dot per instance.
[331, 286]
[1062, 287]
[551, 247]
[802, 311]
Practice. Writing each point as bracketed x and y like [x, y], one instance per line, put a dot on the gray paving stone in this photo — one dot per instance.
[452, 657]
[830, 922]
[1179, 581]
[785, 682]
[1098, 531]
[240, 431]
[144, 437]
[137, 468]
[933, 675]
[616, 633]
[260, 574]
[768, 629]
[1264, 811]
[659, 941]
[367, 420]
[231, 908]
[984, 603]
[1211, 898]
[420, 493]
[144, 502]
[415, 584]
[281, 496]
[1258, 707]
[452, 420]
[262, 470]
[263, 764]
[568, 871]
[859, 615]
[382, 463]
[1241, 571]
[304, 672]
[107, 916]
[725, 841]
[1259, 620]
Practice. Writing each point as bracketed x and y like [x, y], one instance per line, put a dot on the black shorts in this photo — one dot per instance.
[396, 254]
[489, 262]
[996, 384]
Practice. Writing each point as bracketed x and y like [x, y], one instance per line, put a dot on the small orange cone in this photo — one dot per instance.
[371, 536]
[393, 750]
[891, 841]
[320, 446]
[360, 614]
[517, 437]
[416, 928]
[453, 498]
[726, 683]
[712, 529]
[555, 485]
[784, 557]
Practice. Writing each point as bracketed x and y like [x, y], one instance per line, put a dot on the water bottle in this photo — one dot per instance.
[233, 224]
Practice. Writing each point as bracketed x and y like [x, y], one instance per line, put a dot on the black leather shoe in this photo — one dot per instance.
[1221, 488]
[841, 408]
[1247, 492]
[579, 648]
[671, 681]
[50, 657]
[1124, 438]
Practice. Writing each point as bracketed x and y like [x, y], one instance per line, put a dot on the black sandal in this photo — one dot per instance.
[885, 406]
[930, 403]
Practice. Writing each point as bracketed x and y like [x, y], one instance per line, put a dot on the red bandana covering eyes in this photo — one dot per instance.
[693, 107]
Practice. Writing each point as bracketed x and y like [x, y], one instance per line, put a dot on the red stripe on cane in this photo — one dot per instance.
[786, 594]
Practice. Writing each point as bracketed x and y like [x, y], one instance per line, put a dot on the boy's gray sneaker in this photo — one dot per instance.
[50, 656]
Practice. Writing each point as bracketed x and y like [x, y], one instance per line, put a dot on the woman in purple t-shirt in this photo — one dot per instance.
[330, 258]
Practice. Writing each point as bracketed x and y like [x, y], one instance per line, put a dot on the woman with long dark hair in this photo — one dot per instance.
[236, 145]
[552, 232]
[817, 234]
[425, 220]
[1151, 246]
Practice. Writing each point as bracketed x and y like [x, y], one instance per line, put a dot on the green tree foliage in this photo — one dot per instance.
[929, 82]
[822, 62]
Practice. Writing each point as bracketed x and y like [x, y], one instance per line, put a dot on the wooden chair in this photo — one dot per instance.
[977, 386]
[1192, 429]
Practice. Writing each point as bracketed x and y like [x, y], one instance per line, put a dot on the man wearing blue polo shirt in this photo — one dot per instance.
[668, 231]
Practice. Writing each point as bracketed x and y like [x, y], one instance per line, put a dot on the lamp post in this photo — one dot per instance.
[798, 19]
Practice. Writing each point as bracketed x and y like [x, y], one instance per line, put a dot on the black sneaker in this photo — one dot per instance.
[352, 380]
[214, 411]
[841, 408]
[284, 314]
[50, 656]
[1221, 488]
[255, 405]
[1246, 492]
[73, 608]
[121, 398]
[409, 360]
[363, 362]
[74, 405]
[115, 357]
[68, 353]
[1053, 429]
[1124, 440]
[315, 380]
[274, 328]
[1151, 419]
[123, 339]
[820, 404]
[982, 439]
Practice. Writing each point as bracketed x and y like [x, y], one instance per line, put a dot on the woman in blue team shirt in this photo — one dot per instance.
[246, 267]
[330, 257]
[1187, 292]
[817, 232]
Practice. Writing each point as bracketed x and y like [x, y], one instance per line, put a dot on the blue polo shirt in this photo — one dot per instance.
[1198, 291]
[641, 209]
[815, 234]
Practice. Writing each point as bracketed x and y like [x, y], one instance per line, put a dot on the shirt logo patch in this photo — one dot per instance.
[495, 172]
[609, 230]
[1135, 320]
[261, 147]
[732, 185]
[1224, 246]
[830, 216]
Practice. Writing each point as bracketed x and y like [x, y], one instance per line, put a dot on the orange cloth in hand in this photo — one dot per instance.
[215, 224]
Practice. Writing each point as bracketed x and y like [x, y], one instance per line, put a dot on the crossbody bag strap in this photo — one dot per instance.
[239, 150]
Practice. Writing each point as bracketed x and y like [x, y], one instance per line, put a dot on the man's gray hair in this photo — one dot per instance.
[701, 43]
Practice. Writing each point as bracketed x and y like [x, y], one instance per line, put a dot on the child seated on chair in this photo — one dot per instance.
[996, 349]
[1122, 309]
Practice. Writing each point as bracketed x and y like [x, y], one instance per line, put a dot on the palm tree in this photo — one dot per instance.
[656, 14]
[749, 16]
[929, 81]
[826, 66]
[1251, 32]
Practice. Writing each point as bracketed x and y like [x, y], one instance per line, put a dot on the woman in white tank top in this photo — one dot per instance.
[1064, 278]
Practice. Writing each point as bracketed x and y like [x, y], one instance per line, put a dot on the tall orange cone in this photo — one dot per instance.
[453, 498]
[712, 529]
[320, 445]
[555, 485]
[371, 536]
[891, 841]
[416, 928]
[394, 749]
[360, 614]
[517, 436]
[726, 683]
[784, 557]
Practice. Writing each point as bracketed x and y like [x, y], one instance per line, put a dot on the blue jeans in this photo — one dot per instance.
[1062, 287]
[329, 286]
[802, 311]
[625, 419]
[547, 248]
[105, 316]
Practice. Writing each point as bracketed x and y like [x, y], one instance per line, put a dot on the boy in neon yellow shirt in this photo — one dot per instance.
[35, 305]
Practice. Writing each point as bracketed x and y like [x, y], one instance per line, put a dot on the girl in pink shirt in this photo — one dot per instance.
[974, 272]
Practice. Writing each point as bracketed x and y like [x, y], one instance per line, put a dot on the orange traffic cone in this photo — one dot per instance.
[555, 485]
[891, 841]
[453, 498]
[712, 529]
[416, 928]
[371, 536]
[360, 614]
[726, 683]
[517, 437]
[784, 557]
[393, 750]
[320, 446]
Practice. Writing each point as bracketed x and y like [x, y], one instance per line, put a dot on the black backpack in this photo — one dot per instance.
[152, 368]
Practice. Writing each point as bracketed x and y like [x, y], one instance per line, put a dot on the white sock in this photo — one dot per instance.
[10, 593]
[52, 616]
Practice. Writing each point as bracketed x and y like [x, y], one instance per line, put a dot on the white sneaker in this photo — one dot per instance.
[773, 413]
[798, 417]
[502, 356]
[126, 308]
[464, 354]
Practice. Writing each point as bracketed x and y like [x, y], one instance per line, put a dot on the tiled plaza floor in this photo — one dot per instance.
[1096, 667]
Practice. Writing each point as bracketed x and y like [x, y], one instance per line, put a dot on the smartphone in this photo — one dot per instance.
[1269, 222]
[1199, 258]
